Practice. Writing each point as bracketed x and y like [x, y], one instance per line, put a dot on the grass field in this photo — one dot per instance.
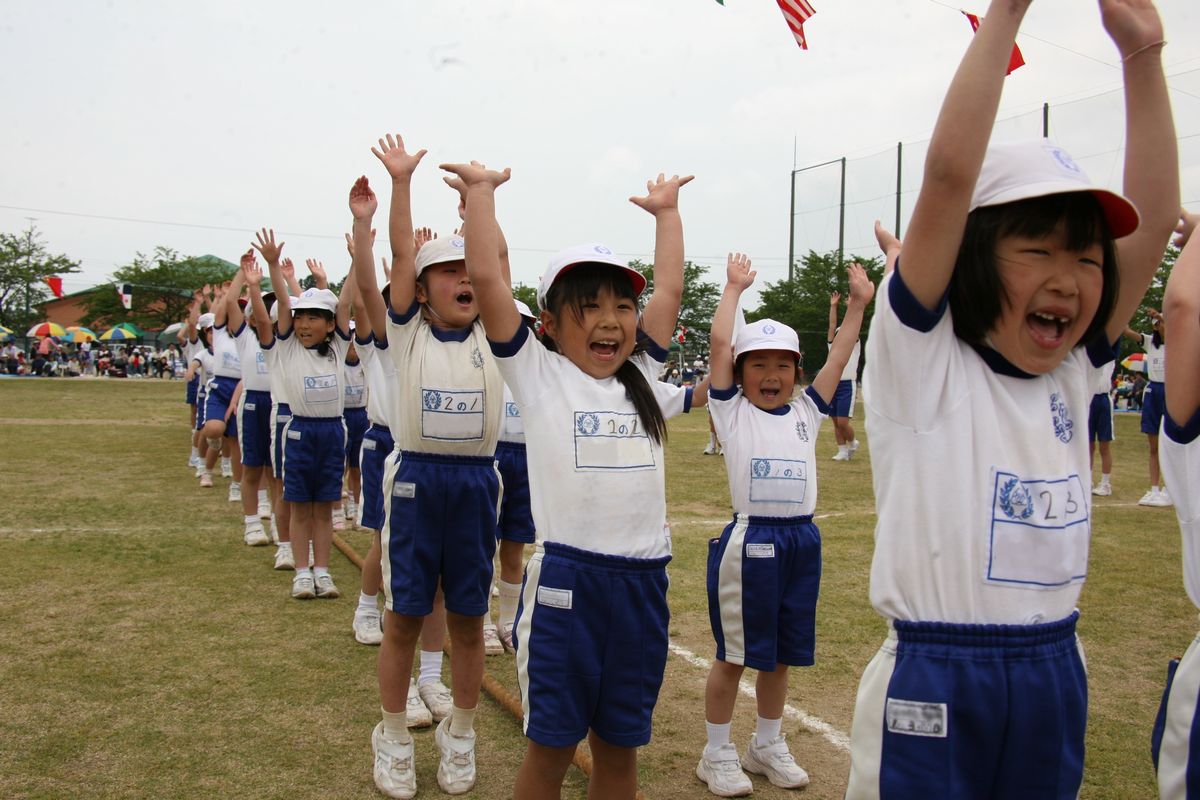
[145, 652]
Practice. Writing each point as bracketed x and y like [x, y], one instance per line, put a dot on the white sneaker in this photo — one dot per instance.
[841, 455]
[437, 699]
[774, 761]
[264, 509]
[199, 469]
[367, 628]
[394, 773]
[255, 535]
[506, 638]
[235, 492]
[492, 646]
[284, 558]
[206, 480]
[194, 460]
[226, 469]
[418, 715]
[1164, 497]
[854, 447]
[1148, 499]
[709, 450]
[723, 773]
[456, 769]
[1102, 490]
[326, 588]
[339, 522]
[720, 450]
[303, 587]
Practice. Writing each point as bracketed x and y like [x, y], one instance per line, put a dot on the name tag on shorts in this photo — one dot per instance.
[282, 418]
[555, 598]
[320, 389]
[368, 444]
[406, 490]
[611, 440]
[451, 415]
[760, 551]
[294, 435]
[912, 718]
[251, 406]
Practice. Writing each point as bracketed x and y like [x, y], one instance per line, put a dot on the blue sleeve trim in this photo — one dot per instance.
[821, 405]
[909, 309]
[1100, 351]
[370, 338]
[380, 344]
[653, 349]
[238, 332]
[270, 345]
[687, 399]
[1182, 434]
[343, 335]
[288, 335]
[406, 317]
[512, 346]
[722, 394]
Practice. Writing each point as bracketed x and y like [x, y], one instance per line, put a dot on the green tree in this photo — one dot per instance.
[163, 284]
[1153, 298]
[527, 295]
[24, 264]
[696, 307]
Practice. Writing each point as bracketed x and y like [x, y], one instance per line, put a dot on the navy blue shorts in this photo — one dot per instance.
[591, 637]
[1175, 742]
[1100, 418]
[314, 452]
[281, 414]
[217, 397]
[516, 517]
[255, 427]
[192, 386]
[200, 404]
[764, 575]
[356, 425]
[843, 400]
[953, 710]
[1154, 405]
[377, 445]
[441, 524]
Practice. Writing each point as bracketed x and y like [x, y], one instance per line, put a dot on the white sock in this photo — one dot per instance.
[462, 721]
[285, 546]
[1106, 479]
[1154, 488]
[367, 601]
[768, 730]
[250, 518]
[226, 462]
[395, 726]
[262, 497]
[303, 571]
[195, 452]
[319, 571]
[718, 736]
[843, 448]
[510, 596]
[431, 667]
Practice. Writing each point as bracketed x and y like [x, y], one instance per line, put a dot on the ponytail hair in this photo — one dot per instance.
[582, 284]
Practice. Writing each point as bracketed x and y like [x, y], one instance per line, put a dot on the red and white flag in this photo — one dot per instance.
[55, 284]
[796, 12]
[1015, 60]
[125, 290]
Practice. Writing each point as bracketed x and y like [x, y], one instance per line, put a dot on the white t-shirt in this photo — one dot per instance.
[227, 363]
[255, 375]
[312, 383]
[512, 428]
[381, 380]
[850, 373]
[450, 395]
[356, 384]
[1179, 457]
[769, 456]
[981, 476]
[1102, 378]
[596, 480]
[204, 357]
[1156, 359]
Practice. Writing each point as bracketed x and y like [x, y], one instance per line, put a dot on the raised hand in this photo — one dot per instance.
[473, 174]
[861, 288]
[250, 269]
[662, 194]
[267, 246]
[886, 239]
[737, 271]
[350, 242]
[835, 298]
[317, 270]
[1133, 25]
[288, 269]
[396, 160]
[387, 268]
[421, 237]
[363, 202]
[1187, 224]
[456, 183]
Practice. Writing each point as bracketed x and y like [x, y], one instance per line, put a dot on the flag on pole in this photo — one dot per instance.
[796, 12]
[55, 284]
[125, 290]
[1014, 61]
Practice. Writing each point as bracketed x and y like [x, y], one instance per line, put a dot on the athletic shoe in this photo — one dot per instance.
[418, 715]
[1160, 499]
[302, 586]
[1148, 499]
[394, 773]
[264, 509]
[367, 626]
[774, 761]
[437, 699]
[1164, 497]
[720, 450]
[255, 535]
[709, 450]
[841, 455]
[854, 447]
[274, 531]
[723, 773]
[194, 461]
[199, 469]
[326, 588]
[226, 469]
[1102, 490]
[339, 522]
[506, 638]
[235, 493]
[206, 481]
[284, 558]
[456, 769]
[491, 640]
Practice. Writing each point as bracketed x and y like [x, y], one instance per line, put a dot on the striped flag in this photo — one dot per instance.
[796, 12]
[1015, 60]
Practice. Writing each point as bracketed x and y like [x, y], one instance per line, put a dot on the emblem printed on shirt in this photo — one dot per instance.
[587, 424]
[802, 430]
[1015, 501]
[1064, 428]
[477, 358]
[912, 718]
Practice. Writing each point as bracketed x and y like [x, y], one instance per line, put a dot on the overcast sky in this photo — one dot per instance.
[136, 124]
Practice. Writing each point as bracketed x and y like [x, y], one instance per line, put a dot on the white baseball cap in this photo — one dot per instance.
[440, 251]
[766, 334]
[594, 253]
[207, 320]
[318, 299]
[1036, 168]
[523, 309]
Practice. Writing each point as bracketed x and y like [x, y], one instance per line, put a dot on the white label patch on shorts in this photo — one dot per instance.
[555, 598]
[405, 490]
[251, 406]
[368, 444]
[294, 435]
[912, 718]
[760, 551]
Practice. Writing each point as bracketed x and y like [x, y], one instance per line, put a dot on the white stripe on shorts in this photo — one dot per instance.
[1181, 710]
[390, 465]
[533, 574]
[729, 593]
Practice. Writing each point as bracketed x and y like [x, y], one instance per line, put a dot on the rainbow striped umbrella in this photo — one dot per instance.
[116, 334]
[1135, 363]
[44, 329]
[78, 333]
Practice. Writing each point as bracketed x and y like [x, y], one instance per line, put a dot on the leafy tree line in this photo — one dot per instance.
[25, 262]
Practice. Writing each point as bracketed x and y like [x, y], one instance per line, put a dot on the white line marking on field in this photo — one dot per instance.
[815, 724]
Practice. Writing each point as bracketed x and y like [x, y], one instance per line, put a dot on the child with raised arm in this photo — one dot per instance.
[1175, 746]
[764, 572]
[1153, 402]
[1014, 280]
[591, 628]
[842, 406]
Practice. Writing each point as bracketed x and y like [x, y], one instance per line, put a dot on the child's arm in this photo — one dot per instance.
[270, 253]
[956, 152]
[500, 317]
[233, 311]
[317, 270]
[738, 278]
[231, 409]
[361, 243]
[1181, 307]
[505, 270]
[662, 309]
[400, 166]
[861, 292]
[218, 306]
[193, 318]
[834, 299]
[889, 244]
[1151, 178]
[262, 316]
[1187, 224]
[289, 276]
[345, 300]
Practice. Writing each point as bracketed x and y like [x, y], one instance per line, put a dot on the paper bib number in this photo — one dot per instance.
[451, 415]
[1039, 531]
[611, 440]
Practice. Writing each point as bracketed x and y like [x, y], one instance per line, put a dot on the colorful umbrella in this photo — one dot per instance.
[78, 333]
[5, 333]
[116, 334]
[131, 328]
[44, 329]
[1135, 363]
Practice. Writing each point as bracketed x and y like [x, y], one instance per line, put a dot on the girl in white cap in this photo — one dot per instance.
[591, 629]
[200, 366]
[1013, 283]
